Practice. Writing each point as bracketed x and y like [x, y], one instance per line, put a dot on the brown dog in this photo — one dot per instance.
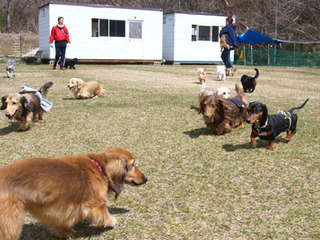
[223, 43]
[220, 114]
[83, 90]
[24, 107]
[62, 191]
[202, 74]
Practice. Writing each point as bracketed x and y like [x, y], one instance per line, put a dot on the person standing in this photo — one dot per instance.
[231, 40]
[60, 36]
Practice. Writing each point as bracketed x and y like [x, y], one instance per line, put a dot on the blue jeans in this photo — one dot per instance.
[225, 56]
[60, 53]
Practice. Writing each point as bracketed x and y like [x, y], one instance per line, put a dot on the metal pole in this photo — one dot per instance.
[275, 34]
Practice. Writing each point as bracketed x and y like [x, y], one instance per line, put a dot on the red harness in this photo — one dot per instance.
[97, 165]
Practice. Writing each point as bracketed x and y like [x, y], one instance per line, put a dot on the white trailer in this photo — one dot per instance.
[192, 38]
[103, 33]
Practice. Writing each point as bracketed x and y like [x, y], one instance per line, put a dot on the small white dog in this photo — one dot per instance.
[221, 72]
[221, 91]
[10, 68]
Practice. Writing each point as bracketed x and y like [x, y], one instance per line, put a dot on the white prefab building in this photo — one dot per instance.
[104, 33]
[190, 37]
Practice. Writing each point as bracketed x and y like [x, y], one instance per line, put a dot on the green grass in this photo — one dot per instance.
[201, 186]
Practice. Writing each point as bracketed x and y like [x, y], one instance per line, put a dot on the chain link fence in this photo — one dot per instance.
[270, 57]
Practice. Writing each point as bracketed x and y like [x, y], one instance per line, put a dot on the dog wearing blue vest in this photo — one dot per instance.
[268, 127]
[221, 115]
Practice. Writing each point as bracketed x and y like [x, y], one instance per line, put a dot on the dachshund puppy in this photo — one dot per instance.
[268, 127]
[220, 114]
[24, 107]
[62, 191]
[249, 83]
[223, 43]
[202, 74]
[84, 90]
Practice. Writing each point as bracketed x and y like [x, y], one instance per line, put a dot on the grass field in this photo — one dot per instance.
[201, 186]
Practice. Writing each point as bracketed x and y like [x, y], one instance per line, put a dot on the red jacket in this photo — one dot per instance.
[59, 34]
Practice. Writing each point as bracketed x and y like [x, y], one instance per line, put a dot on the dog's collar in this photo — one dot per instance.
[264, 126]
[97, 165]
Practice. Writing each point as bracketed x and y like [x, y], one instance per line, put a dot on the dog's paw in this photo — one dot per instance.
[110, 222]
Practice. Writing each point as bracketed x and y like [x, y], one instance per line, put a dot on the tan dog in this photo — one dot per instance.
[24, 107]
[202, 74]
[83, 90]
[223, 43]
[62, 191]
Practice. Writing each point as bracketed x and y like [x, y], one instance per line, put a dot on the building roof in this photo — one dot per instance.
[98, 6]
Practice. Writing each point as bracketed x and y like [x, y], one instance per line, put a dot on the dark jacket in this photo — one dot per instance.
[231, 36]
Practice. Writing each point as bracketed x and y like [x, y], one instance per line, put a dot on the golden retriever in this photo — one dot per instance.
[24, 107]
[62, 191]
[84, 90]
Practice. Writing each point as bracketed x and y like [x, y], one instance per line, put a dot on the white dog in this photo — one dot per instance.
[221, 91]
[221, 72]
[10, 68]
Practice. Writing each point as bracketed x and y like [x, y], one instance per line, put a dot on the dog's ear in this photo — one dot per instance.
[26, 105]
[201, 110]
[264, 114]
[116, 170]
[3, 101]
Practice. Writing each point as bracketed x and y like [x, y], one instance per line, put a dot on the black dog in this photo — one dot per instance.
[249, 83]
[70, 63]
[267, 127]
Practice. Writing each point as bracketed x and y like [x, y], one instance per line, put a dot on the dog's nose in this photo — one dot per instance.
[248, 120]
[145, 179]
[7, 114]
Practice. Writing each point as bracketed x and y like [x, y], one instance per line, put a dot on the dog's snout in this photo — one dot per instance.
[145, 179]
[248, 120]
[7, 114]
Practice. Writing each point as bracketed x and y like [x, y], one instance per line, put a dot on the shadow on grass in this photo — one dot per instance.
[260, 144]
[13, 127]
[83, 229]
[198, 132]
[195, 108]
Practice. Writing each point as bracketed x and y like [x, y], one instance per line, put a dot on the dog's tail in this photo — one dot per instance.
[44, 89]
[257, 74]
[295, 108]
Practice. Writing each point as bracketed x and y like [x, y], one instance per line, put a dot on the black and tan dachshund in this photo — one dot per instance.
[267, 127]
[249, 83]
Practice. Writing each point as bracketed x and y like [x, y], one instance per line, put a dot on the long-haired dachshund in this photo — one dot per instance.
[268, 127]
[220, 114]
[24, 107]
[62, 191]
[249, 83]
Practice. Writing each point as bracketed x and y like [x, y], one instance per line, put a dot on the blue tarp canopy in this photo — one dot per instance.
[253, 37]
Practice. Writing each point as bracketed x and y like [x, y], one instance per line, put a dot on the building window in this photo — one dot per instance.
[204, 33]
[117, 28]
[215, 34]
[194, 33]
[106, 28]
[94, 24]
[135, 30]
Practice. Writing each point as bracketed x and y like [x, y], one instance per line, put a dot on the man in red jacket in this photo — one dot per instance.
[60, 35]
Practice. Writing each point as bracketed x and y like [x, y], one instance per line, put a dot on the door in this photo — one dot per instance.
[135, 40]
